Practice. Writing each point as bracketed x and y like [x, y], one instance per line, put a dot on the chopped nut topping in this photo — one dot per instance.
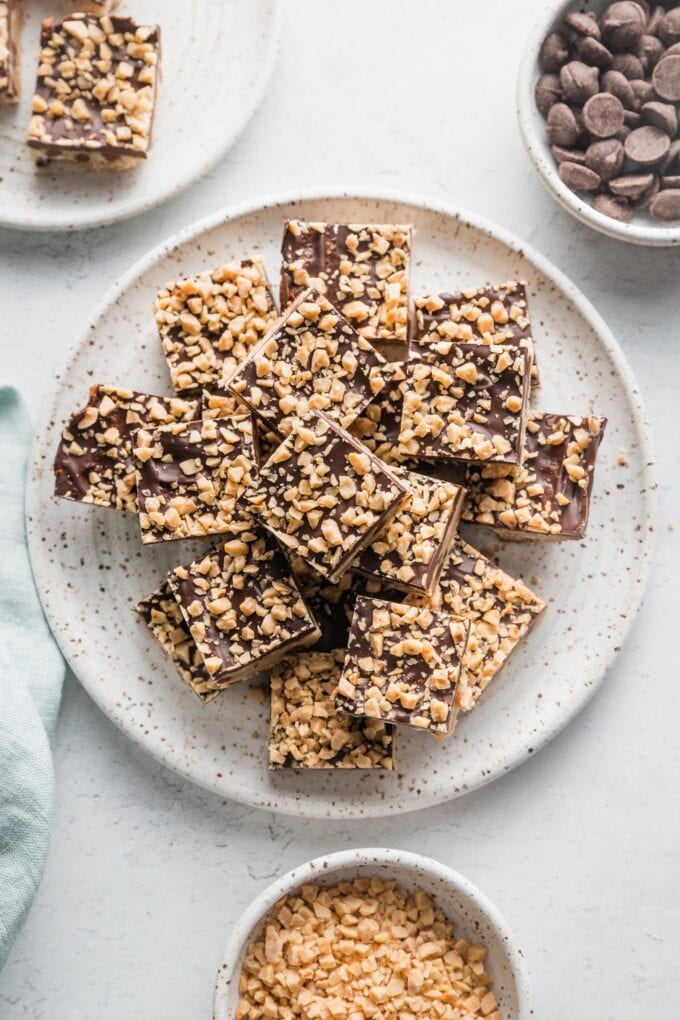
[500, 609]
[493, 315]
[312, 359]
[363, 269]
[548, 496]
[243, 607]
[95, 462]
[9, 27]
[410, 551]
[210, 322]
[465, 402]
[403, 665]
[190, 477]
[379, 424]
[96, 91]
[164, 619]
[305, 485]
[359, 950]
[306, 732]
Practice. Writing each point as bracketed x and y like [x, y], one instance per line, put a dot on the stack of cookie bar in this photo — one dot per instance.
[328, 478]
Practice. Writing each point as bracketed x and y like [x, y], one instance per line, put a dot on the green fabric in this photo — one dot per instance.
[31, 678]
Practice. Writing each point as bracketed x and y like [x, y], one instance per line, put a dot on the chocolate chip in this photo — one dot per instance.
[603, 115]
[666, 77]
[578, 177]
[655, 19]
[628, 64]
[593, 52]
[623, 24]
[649, 49]
[618, 85]
[666, 205]
[553, 53]
[672, 157]
[662, 115]
[669, 28]
[613, 206]
[646, 197]
[579, 82]
[675, 48]
[671, 182]
[605, 158]
[647, 145]
[561, 154]
[632, 119]
[623, 133]
[563, 127]
[631, 185]
[643, 90]
[547, 92]
[583, 23]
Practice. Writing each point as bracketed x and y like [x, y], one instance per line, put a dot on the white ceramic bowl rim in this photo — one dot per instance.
[532, 126]
[323, 868]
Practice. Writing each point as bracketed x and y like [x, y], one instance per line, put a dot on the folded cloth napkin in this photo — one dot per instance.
[31, 678]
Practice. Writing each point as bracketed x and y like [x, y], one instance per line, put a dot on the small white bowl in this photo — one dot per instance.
[643, 229]
[470, 911]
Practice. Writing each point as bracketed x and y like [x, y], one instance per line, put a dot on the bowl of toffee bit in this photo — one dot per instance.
[370, 934]
[599, 109]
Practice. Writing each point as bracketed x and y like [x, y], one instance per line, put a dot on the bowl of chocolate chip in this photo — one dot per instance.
[372, 933]
[599, 109]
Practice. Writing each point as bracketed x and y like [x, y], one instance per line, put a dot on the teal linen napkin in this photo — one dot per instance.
[31, 678]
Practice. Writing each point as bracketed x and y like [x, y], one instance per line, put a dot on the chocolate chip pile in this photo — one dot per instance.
[610, 93]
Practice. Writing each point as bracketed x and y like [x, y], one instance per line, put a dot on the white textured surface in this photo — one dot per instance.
[578, 848]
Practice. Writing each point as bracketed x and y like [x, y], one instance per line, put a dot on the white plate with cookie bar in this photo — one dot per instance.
[278, 745]
[109, 112]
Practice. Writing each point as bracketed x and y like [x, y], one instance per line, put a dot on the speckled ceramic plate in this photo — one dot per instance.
[90, 566]
[217, 58]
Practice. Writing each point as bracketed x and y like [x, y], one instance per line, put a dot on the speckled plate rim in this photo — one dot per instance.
[134, 207]
[42, 447]
[532, 128]
[363, 858]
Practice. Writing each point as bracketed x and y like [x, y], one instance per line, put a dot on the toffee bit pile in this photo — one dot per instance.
[362, 950]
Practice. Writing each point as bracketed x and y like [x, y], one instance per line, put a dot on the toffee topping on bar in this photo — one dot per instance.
[324, 496]
[312, 359]
[164, 619]
[95, 460]
[190, 477]
[548, 496]
[306, 731]
[491, 315]
[500, 609]
[243, 607]
[403, 665]
[379, 425]
[96, 90]
[209, 323]
[466, 402]
[363, 270]
[410, 551]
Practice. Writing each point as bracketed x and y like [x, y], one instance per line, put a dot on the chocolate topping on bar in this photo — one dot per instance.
[362, 269]
[95, 460]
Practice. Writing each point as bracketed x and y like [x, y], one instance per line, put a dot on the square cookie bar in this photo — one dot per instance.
[306, 731]
[324, 496]
[96, 92]
[190, 477]
[548, 496]
[500, 609]
[311, 360]
[362, 268]
[411, 550]
[402, 665]
[208, 323]
[243, 607]
[466, 402]
[379, 424]
[95, 461]
[10, 12]
[164, 619]
[493, 315]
